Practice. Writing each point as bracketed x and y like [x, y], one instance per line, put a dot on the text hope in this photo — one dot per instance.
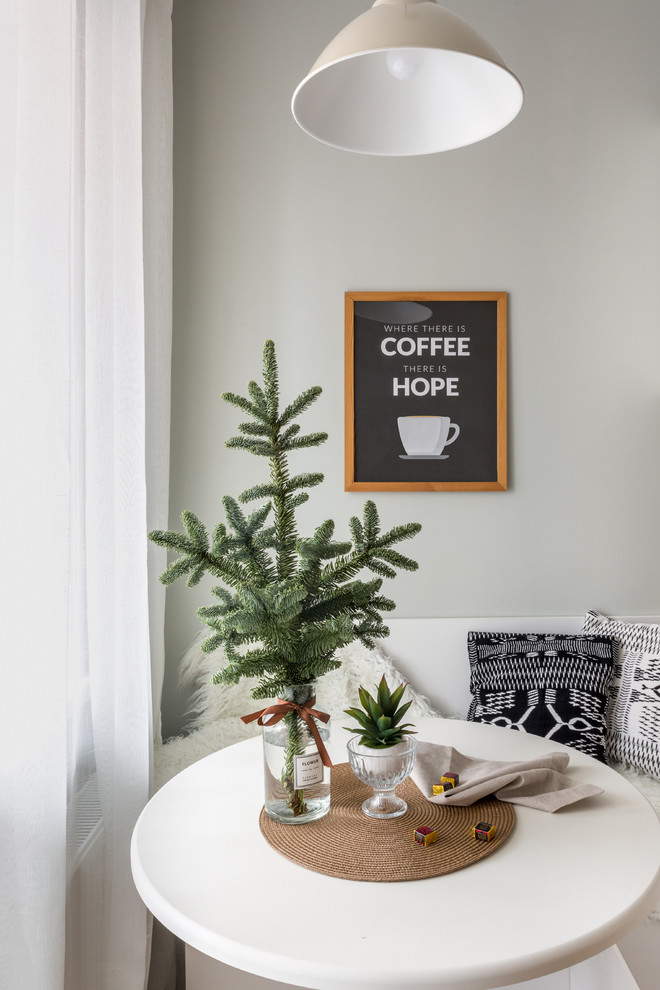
[424, 386]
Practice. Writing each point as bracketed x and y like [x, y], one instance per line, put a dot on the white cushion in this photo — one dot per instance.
[633, 717]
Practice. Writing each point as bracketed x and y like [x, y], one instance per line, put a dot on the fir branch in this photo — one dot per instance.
[286, 601]
[370, 552]
[322, 534]
[393, 557]
[299, 405]
[270, 687]
[383, 604]
[344, 568]
[318, 639]
[253, 598]
[290, 431]
[311, 440]
[320, 546]
[307, 480]
[398, 533]
[285, 520]
[195, 530]
[235, 516]
[368, 633]
[244, 404]
[346, 599]
[218, 538]
[323, 665]
[378, 567]
[257, 518]
[212, 643]
[255, 429]
[259, 447]
[196, 575]
[177, 569]
[298, 499]
[357, 532]
[223, 596]
[271, 381]
[259, 400]
[313, 551]
[245, 622]
[258, 491]
[209, 613]
[266, 538]
[228, 570]
[172, 541]
[253, 664]
[371, 522]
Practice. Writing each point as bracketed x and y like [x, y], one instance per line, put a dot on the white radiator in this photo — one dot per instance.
[85, 894]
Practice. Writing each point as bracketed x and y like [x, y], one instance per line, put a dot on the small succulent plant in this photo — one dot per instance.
[380, 722]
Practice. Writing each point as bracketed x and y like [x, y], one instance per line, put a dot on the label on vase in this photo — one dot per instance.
[307, 770]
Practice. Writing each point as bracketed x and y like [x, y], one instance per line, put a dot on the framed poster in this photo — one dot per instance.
[426, 391]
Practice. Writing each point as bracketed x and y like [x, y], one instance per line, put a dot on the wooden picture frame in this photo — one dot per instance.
[424, 370]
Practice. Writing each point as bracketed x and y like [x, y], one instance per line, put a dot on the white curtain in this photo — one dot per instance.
[85, 288]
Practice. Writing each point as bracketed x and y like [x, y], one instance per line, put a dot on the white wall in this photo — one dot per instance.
[561, 210]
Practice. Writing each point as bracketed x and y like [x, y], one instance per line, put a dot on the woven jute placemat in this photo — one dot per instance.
[348, 844]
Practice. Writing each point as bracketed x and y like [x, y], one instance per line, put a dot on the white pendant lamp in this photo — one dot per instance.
[407, 77]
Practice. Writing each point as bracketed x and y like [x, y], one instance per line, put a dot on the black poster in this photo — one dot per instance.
[426, 391]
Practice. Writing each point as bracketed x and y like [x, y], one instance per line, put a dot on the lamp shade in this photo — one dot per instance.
[406, 78]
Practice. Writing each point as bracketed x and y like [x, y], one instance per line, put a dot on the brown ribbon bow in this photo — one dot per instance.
[307, 714]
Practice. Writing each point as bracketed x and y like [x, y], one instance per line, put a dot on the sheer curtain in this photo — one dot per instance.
[85, 287]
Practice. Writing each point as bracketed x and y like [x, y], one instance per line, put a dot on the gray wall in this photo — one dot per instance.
[560, 210]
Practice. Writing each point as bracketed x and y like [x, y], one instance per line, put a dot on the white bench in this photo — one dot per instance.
[432, 653]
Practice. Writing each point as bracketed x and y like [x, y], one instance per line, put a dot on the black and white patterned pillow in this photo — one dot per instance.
[633, 723]
[554, 686]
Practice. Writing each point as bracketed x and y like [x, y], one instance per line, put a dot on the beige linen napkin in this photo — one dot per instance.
[538, 783]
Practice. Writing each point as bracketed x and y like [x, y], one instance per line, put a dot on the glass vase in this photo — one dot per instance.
[383, 770]
[296, 783]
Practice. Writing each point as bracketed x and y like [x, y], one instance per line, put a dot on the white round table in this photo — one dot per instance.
[562, 888]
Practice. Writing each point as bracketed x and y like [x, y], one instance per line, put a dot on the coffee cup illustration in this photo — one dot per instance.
[426, 436]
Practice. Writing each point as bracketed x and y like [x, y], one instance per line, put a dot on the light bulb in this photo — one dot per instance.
[403, 63]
